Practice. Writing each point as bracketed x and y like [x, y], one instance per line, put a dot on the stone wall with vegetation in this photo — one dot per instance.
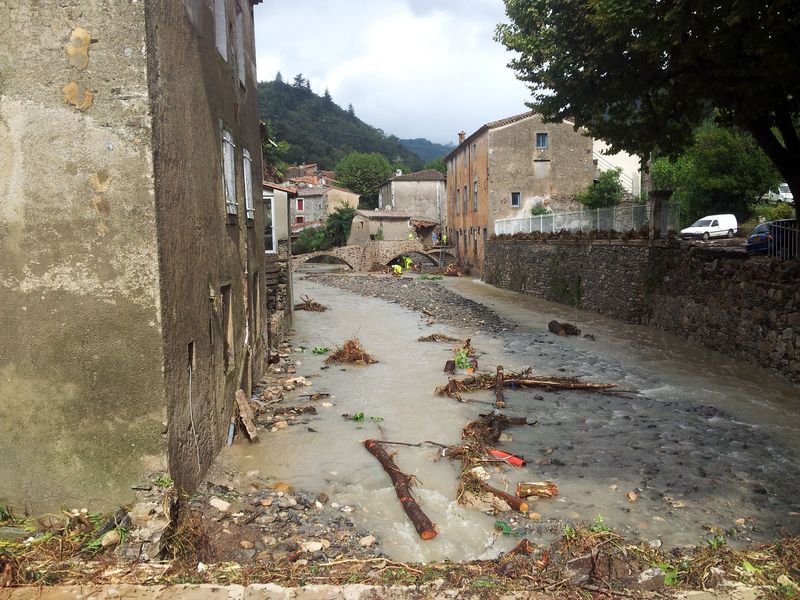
[744, 307]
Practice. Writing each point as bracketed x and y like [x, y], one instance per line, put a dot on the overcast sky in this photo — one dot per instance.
[414, 68]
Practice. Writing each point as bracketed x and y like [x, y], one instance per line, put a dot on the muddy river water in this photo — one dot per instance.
[707, 445]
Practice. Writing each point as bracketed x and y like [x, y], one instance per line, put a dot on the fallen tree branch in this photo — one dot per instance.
[512, 501]
[500, 399]
[402, 483]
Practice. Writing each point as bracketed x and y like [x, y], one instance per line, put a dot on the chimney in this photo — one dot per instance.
[461, 136]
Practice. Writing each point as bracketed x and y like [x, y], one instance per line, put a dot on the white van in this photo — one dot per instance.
[711, 226]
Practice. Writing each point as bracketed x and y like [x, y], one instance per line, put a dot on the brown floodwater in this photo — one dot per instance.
[706, 444]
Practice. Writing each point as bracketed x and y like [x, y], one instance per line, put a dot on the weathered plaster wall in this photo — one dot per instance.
[80, 362]
[468, 227]
[192, 90]
[417, 198]
[539, 175]
[314, 208]
[337, 197]
[747, 308]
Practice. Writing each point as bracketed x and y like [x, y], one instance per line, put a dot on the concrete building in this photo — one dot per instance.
[131, 248]
[315, 202]
[421, 194]
[369, 225]
[506, 168]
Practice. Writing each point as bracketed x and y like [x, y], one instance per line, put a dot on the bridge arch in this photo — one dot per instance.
[414, 254]
[301, 259]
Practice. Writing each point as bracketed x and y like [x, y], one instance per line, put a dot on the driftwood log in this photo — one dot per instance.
[512, 501]
[246, 416]
[402, 486]
[563, 328]
[500, 399]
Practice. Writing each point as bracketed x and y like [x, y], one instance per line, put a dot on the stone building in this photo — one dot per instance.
[314, 203]
[389, 226]
[506, 168]
[131, 248]
[421, 194]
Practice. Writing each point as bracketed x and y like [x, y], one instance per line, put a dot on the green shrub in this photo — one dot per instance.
[312, 239]
[605, 191]
[537, 211]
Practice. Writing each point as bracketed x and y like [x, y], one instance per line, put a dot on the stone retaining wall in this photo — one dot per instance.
[744, 307]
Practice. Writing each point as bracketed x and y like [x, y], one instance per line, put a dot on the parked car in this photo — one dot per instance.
[776, 238]
[711, 226]
[781, 194]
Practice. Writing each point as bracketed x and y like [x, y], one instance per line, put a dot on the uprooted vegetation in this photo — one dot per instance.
[586, 558]
[310, 304]
[351, 352]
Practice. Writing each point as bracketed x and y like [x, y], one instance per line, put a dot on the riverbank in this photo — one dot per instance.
[288, 544]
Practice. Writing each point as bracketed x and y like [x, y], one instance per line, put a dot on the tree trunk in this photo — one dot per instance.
[402, 484]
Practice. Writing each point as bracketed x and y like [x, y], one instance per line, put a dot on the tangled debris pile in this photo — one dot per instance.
[351, 352]
[310, 304]
[438, 337]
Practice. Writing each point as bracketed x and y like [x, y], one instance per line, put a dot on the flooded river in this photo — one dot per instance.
[707, 446]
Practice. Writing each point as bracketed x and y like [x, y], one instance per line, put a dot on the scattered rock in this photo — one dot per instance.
[247, 544]
[651, 580]
[311, 546]
[367, 541]
[112, 538]
[220, 504]
[563, 328]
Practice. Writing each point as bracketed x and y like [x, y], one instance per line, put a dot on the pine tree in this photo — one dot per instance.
[299, 81]
[327, 96]
[278, 77]
[350, 110]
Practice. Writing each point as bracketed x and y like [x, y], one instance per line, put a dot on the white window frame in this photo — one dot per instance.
[229, 173]
[247, 170]
[271, 197]
[221, 28]
[238, 34]
[546, 140]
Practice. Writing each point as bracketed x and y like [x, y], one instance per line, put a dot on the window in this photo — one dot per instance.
[475, 195]
[465, 200]
[238, 34]
[247, 168]
[270, 239]
[299, 205]
[475, 245]
[485, 236]
[541, 141]
[227, 327]
[221, 28]
[299, 219]
[515, 199]
[229, 172]
[458, 200]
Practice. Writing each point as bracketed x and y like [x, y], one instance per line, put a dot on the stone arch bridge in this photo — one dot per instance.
[363, 257]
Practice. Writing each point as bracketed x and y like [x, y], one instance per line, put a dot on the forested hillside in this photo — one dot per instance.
[426, 149]
[319, 131]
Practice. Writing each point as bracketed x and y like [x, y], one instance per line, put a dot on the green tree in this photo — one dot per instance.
[605, 191]
[311, 239]
[642, 75]
[299, 81]
[338, 223]
[273, 150]
[363, 174]
[437, 164]
[723, 171]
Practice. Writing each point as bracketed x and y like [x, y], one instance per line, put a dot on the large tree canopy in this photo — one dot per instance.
[364, 173]
[642, 74]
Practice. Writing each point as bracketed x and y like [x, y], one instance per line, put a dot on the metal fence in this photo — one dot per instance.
[784, 241]
[616, 218]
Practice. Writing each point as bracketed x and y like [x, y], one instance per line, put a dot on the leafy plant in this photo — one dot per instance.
[604, 192]
[378, 236]
[538, 211]
[570, 532]
[598, 524]
[163, 481]
[671, 572]
[359, 416]
[462, 359]
[364, 173]
[376, 419]
[6, 514]
[320, 350]
[311, 239]
[717, 542]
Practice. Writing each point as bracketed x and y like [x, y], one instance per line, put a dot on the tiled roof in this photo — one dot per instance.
[508, 120]
[382, 214]
[276, 186]
[427, 175]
